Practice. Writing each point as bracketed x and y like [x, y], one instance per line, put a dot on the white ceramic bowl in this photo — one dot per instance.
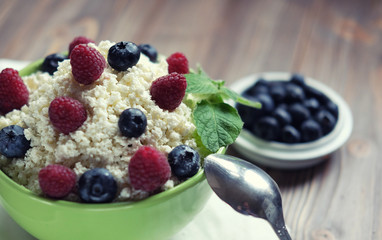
[293, 156]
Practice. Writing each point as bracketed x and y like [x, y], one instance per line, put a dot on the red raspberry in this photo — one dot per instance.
[148, 169]
[67, 114]
[87, 64]
[77, 41]
[177, 62]
[13, 92]
[56, 181]
[168, 91]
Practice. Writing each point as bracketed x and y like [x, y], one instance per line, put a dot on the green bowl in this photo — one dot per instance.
[157, 217]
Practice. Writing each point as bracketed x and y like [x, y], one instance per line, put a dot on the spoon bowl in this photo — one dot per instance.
[247, 189]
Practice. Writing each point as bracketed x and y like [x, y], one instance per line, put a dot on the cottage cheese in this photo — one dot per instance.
[98, 142]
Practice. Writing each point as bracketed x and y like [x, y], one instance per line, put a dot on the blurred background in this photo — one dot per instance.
[337, 42]
[230, 38]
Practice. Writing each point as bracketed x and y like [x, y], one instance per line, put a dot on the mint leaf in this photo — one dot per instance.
[228, 93]
[200, 83]
[218, 124]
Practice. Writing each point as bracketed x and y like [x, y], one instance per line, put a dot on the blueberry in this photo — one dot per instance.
[260, 86]
[51, 61]
[332, 108]
[282, 116]
[290, 134]
[184, 161]
[249, 114]
[298, 79]
[132, 122]
[310, 130]
[312, 104]
[283, 106]
[256, 90]
[266, 128]
[123, 55]
[13, 143]
[97, 186]
[326, 120]
[261, 82]
[299, 113]
[277, 91]
[267, 103]
[294, 93]
[149, 51]
[245, 114]
[314, 93]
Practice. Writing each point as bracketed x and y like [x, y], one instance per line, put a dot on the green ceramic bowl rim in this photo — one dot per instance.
[152, 200]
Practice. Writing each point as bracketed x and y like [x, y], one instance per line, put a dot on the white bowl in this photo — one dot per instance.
[293, 156]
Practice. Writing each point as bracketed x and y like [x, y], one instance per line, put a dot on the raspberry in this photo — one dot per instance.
[67, 114]
[56, 181]
[148, 169]
[177, 62]
[168, 91]
[77, 41]
[87, 64]
[13, 92]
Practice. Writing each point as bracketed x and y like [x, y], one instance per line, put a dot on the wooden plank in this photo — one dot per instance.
[336, 42]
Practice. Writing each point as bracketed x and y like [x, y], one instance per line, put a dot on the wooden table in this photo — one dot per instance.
[337, 42]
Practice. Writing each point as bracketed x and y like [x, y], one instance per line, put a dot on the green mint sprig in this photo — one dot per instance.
[218, 124]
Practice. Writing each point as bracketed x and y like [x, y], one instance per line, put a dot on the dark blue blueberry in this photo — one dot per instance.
[245, 114]
[294, 93]
[260, 86]
[149, 51]
[123, 55]
[299, 113]
[267, 128]
[277, 91]
[290, 134]
[184, 161]
[283, 106]
[310, 131]
[311, 92]
[97, 186]
[13, 143]
[312, 105]
[132, 123]
[332, 108]
[259, 90]
[298, 79]
[326, 120]
[249, 114]
[51, 61]
[267, 103]
[261, 82]
[282, 116]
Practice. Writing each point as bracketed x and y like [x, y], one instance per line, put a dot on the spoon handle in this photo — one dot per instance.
[282, 233]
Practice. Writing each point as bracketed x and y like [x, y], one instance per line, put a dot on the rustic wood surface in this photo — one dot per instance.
[336, 42]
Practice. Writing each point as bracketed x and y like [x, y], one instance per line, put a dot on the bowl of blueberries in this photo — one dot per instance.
[301, 121]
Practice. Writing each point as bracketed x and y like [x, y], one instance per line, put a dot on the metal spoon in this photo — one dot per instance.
[247, 189]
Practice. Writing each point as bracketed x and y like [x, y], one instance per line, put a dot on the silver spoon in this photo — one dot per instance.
[247, 189]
